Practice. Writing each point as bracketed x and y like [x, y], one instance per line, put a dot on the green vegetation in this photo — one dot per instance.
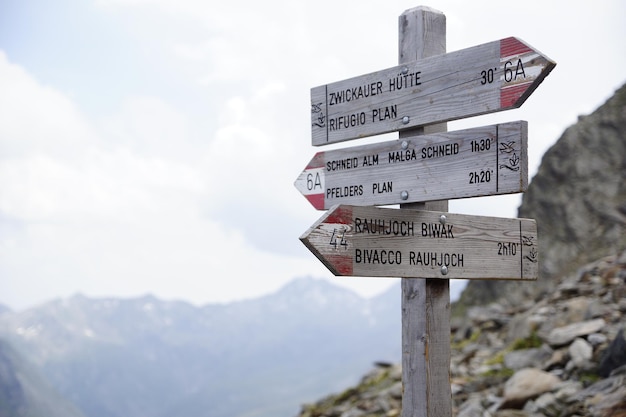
[498, 359]
[532, 341]
[588, 378]
[472, 339]
[503, 372]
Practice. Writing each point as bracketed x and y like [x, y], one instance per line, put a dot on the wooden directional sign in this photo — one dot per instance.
[483, 79]
[385, 242]
[468, 163]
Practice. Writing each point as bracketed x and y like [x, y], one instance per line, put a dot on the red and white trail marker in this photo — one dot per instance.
[487, 78]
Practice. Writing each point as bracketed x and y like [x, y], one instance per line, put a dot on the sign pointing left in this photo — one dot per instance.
[385, 242]
[488, 160]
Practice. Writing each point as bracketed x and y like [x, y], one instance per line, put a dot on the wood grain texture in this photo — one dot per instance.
[387, 242]
[425, 302]
[490, 160]
[483, 79]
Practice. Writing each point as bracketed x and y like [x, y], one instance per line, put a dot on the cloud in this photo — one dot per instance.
[36, 119]
[116, 207]
[56, 163]
[163, 159]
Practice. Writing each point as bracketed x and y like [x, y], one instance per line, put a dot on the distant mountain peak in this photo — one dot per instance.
[306, 284]
[314, 293]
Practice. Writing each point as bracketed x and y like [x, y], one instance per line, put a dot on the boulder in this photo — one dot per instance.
[525, 358]
[526, 384]
[614, 356]
[566, 334]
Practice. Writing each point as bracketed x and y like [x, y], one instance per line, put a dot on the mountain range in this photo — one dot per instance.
[154, 358]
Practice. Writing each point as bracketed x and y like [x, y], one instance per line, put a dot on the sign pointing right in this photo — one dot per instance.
[482, 79]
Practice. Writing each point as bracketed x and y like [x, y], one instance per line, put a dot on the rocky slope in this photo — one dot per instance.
[562, 356]
[555, 347]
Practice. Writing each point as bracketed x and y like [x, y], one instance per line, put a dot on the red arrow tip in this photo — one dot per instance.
[316, 200]
[520, 80]
[513, 46]
[341, 214]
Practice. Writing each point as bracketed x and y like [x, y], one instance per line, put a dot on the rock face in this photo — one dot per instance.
[554, 347]
[523, 361]
[578, 198]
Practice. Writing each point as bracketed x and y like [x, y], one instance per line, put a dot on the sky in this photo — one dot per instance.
[151, 146]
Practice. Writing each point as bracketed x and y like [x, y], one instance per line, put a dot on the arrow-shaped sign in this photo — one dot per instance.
[483, 79]
[384, 242]
[475, 162]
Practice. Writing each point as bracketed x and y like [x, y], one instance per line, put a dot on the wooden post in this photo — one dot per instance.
[425, 302]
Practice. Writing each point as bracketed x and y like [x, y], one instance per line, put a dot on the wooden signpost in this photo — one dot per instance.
[468, 163]
[385, 242]
[421, 171]
[425, 303]
[483, 79]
